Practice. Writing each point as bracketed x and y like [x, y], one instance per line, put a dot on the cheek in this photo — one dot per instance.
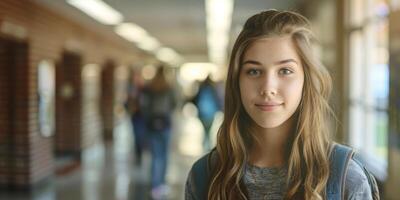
[246, 91]
[247, 84]
[294, 90]
[242, 89]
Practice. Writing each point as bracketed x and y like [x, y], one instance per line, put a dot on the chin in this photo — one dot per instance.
[269, 124]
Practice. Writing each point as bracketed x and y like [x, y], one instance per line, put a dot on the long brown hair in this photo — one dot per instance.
[159, 83]
[308, 164]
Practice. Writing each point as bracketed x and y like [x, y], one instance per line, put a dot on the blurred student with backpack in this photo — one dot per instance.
[208, 104]
[158, 103]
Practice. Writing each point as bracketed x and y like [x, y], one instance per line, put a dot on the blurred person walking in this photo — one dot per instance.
[158, 102]
[208, 104]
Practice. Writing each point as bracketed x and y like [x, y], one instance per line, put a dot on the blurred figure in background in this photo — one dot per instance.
[158, 102]
[208, 104]
[139, 128]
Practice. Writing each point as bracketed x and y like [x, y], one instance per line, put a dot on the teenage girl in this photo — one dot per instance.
[274, 142]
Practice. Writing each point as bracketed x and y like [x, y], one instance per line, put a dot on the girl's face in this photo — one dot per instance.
[271, 81]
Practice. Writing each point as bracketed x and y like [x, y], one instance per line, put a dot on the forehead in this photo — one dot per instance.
[271, 49]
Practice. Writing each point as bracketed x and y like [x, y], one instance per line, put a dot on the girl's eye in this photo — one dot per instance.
[285, 71]
[253, 72]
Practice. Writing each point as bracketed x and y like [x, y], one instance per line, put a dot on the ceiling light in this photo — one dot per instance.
[98, 10]
[149, 44]
[131, 32]
[219, 17]
[167, 55]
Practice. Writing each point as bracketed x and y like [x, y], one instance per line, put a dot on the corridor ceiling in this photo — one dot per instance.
[178, 24]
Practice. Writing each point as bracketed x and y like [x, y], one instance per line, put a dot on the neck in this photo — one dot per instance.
[270, 149]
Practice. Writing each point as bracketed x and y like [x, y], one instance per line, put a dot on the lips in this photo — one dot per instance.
[268, 106]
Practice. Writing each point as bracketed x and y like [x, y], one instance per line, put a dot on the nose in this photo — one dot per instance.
[269, 85]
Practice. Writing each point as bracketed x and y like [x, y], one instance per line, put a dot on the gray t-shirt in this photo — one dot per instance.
[270, 183]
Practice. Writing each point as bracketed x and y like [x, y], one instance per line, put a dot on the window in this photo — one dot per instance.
[369, 78]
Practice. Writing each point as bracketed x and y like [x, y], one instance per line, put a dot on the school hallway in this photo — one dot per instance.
[72, 71]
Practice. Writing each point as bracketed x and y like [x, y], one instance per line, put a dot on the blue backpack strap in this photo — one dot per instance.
[371, 179]
[201, 176]
[339, 160]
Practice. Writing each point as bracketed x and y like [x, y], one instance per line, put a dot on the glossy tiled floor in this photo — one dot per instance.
[107, 171]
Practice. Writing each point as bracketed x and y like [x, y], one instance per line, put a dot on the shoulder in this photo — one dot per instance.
[198, 178]
[201, 169]
[348, 174]
[204, 164]
[356, 182]
[190, 190]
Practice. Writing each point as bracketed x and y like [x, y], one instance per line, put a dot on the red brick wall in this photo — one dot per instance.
[48, 35]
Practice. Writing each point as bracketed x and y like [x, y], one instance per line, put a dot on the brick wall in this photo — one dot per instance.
[47, 35]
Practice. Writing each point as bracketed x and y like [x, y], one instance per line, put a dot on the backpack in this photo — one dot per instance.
[159, 107]
[207, 102]
[339, 160]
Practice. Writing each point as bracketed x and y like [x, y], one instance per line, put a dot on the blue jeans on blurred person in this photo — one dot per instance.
[207, 124]
[159, 142]
[139, 131]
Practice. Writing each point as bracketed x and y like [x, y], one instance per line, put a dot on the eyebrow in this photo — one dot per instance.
[276, 63]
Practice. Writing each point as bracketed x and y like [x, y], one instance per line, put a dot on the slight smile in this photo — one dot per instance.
[268, 106]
